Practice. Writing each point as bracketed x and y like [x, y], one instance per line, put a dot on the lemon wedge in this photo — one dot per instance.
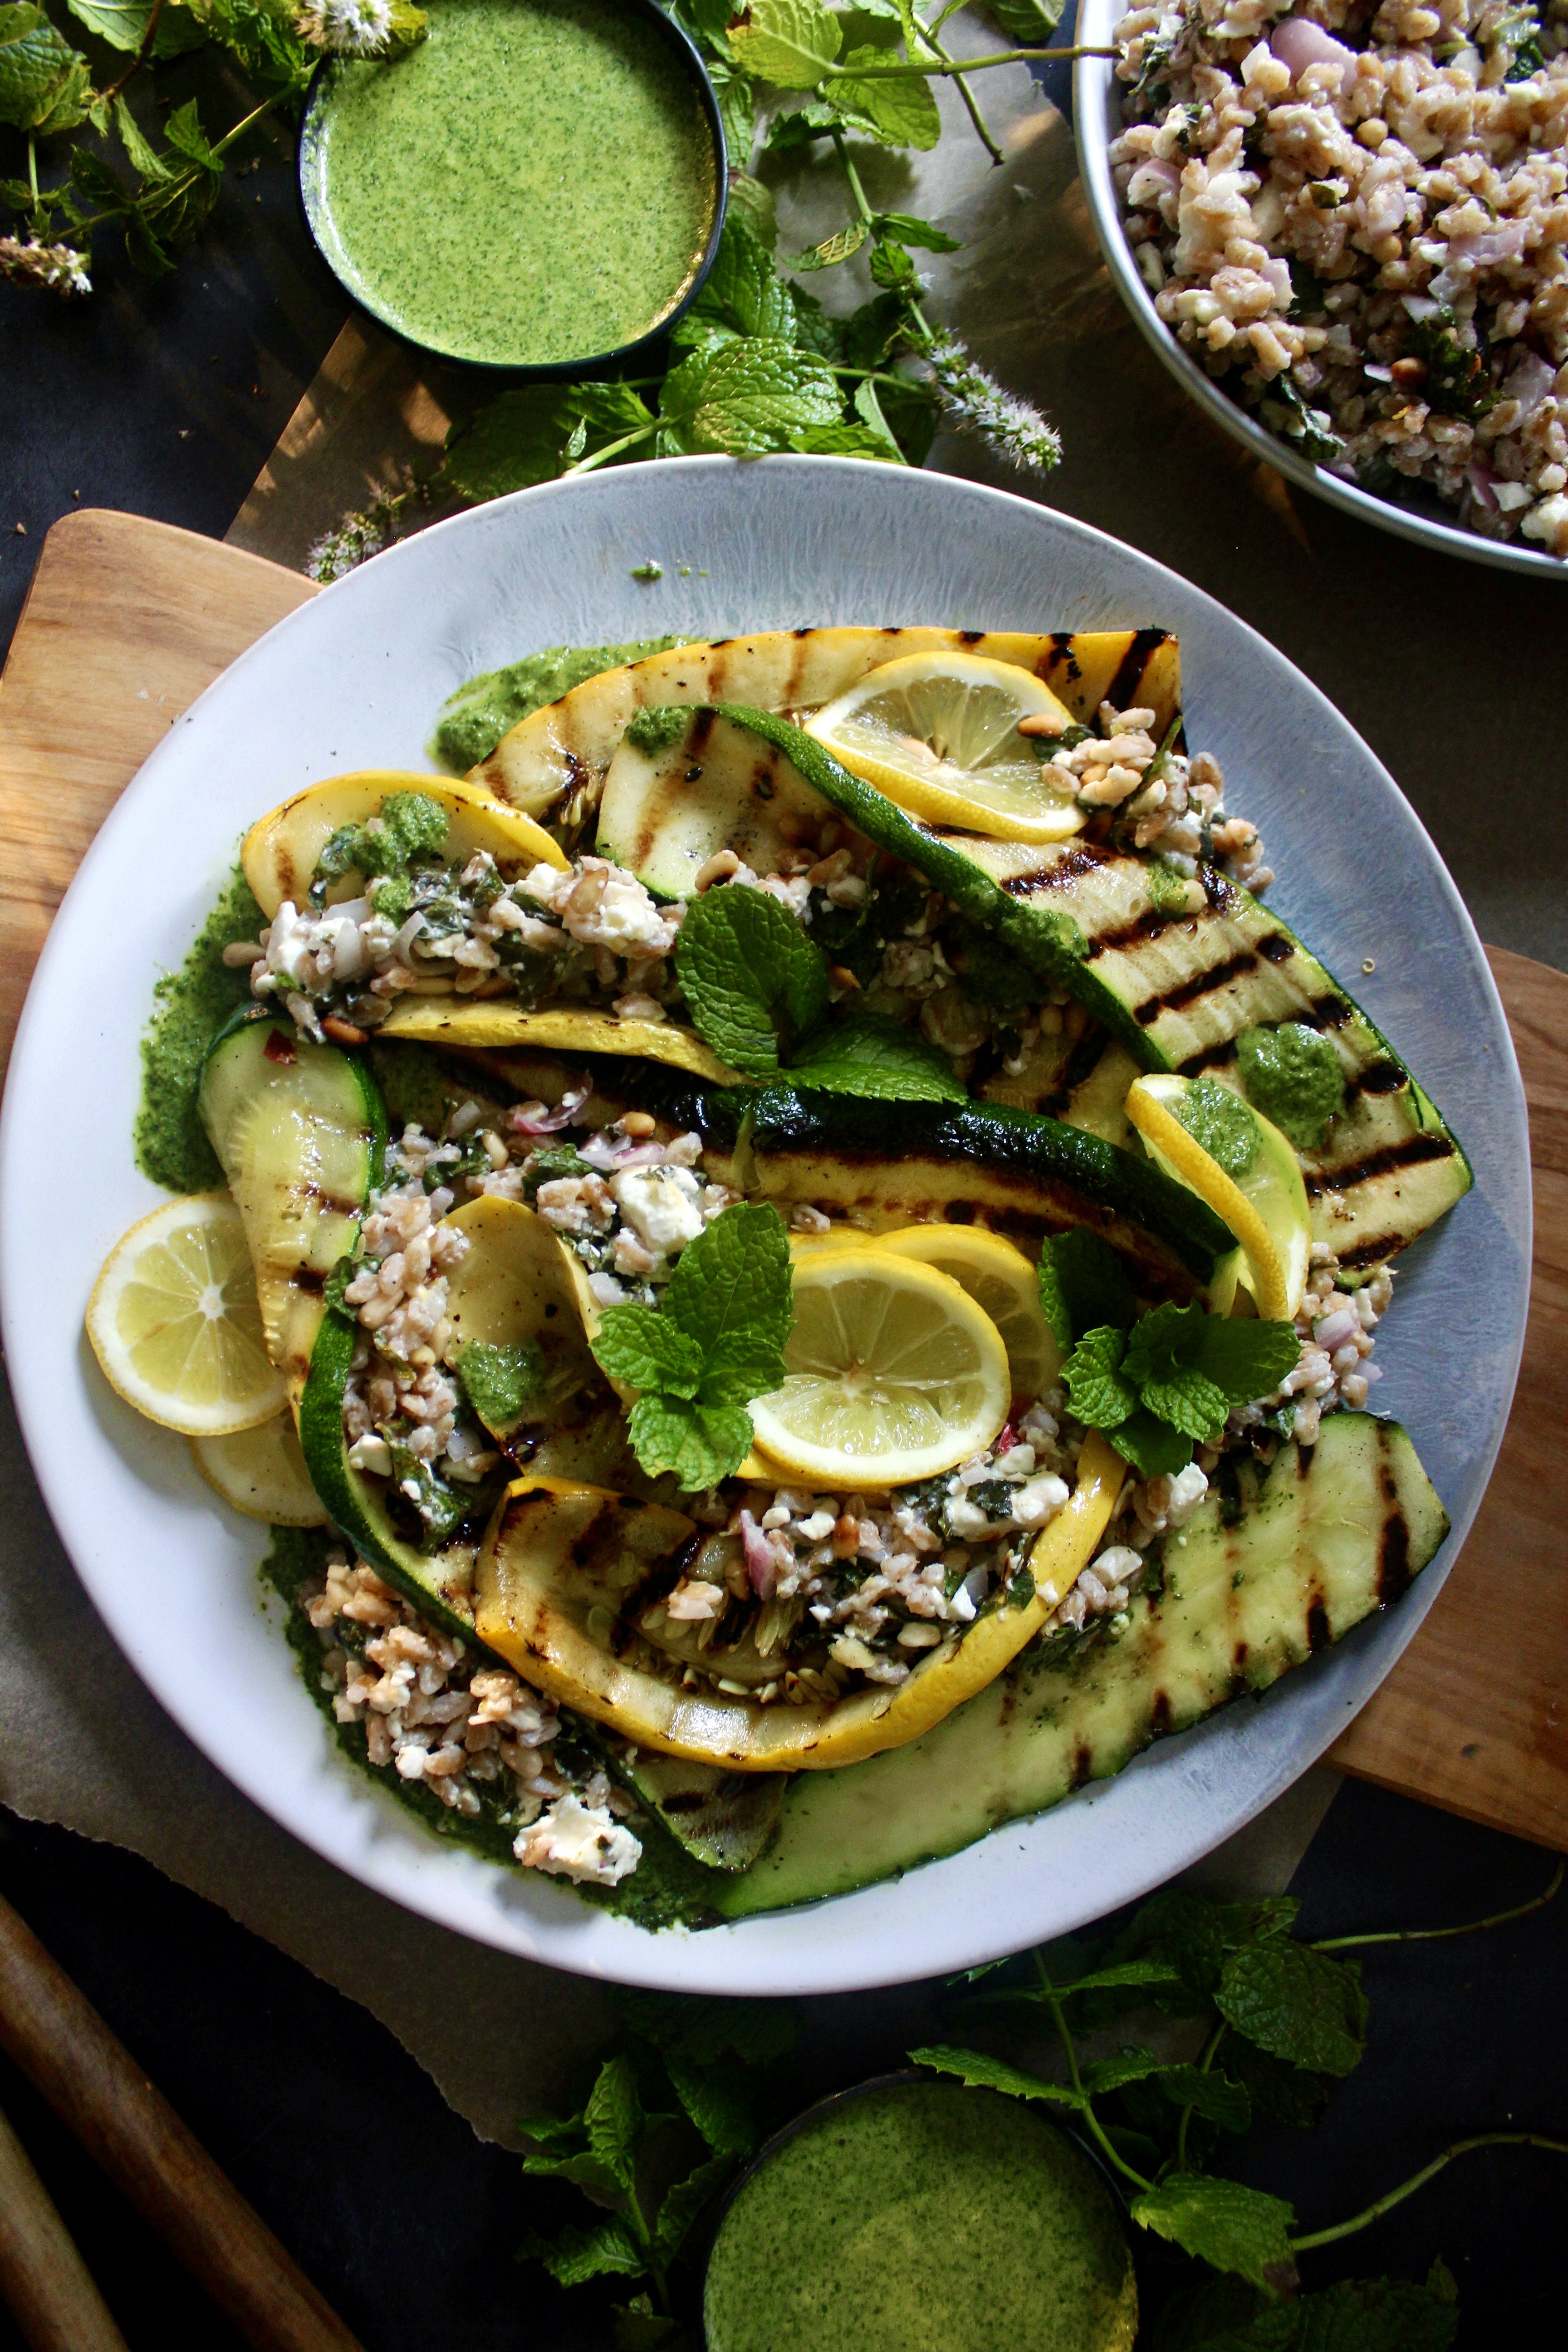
[262, 1474]
[174, 1321]
[938, 733]
[1003, 1283]
[894, 1373]
[1264, 1204]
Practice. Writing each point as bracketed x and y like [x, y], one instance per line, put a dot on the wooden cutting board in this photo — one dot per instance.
[125, 623]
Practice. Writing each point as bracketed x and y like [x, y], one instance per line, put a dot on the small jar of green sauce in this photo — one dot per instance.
[909, 2215]
[537, 184]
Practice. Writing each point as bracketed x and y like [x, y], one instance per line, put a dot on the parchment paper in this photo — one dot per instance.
[86, 1745]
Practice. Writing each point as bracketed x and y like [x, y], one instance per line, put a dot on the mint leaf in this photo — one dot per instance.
[1278, 2092]
[646, 1350]
[1235, 2229]
[1154, 1449]
[42, 78]
[846, 441]
[500, 1381]
[1083, 1285]
[1244, 1358]
[713, 2098]
[731, 1292]
[1214, 2096]
[699, 1444]
[577, 2255]
[533, 432]
[1158, 1364]
[613, 2118]
[900, 109]
[983, 2073]
[870, 1054]
[742, 398]
[786, 42]
[742, 290]
[1295, 2004]
[1220, 1123]
[685, 2203]
[1097, 1392]
[750, 976]
[1028, 23]
[582, 2169]
[910, 230]
[840, 246]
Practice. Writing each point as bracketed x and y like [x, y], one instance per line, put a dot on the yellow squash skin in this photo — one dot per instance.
[280, 850]
[514, 1287]
[568, 745]
[560, 1560]
[495, 1024]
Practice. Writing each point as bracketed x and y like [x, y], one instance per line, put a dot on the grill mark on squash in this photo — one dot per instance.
[1414, 1152]
[1082, 1763]
[1277, 946]
[1062, 655]
[1372, 1253]
[1079, 1066]
[1122, 692]
[1212, 1057]
[1320, 1634]
[1082, 858]
[1187, 992]
[1159, 1716]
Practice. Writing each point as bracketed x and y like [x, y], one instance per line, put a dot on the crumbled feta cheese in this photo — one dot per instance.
[573, 1840]
[662, 1206]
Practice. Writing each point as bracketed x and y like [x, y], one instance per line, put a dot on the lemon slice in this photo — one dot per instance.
[939, 734]
[894, 1373]
[1265, 1205]
[262, 1474]
[1003, 1283]
[174, 1322]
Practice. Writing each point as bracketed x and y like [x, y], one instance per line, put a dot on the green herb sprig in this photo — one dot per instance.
[1154, 1383]
[1281, 2021]
[757, 987]
[687, 2079]
[715, 1342]
[46, 94]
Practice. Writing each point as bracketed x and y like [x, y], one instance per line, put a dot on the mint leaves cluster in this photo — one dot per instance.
[47, 93]
[1277, 2022]
[669, 2119]
[756, 985]
[1265, 2023]
[1154, 1383]
[715, 1342]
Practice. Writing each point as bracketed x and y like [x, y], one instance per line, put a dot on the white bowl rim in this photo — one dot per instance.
[1096, 121]
[842, 1944]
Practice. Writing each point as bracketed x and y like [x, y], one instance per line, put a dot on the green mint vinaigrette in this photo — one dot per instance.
[534, 183]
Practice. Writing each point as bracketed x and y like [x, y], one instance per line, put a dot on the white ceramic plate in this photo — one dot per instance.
[1097, 120]
[355, 679]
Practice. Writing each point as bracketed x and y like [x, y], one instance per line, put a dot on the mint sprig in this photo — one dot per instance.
[756, 985]
[1083, 1285]
[716, 1342]
[1173, 1379]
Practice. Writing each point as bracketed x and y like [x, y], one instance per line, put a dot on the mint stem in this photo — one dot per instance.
[140, 59]
[1205, 2063]
[952, 70]
[1053, 2003]
[1418, 2180]
[611, 449]
[1436, 1935]
[981, 128]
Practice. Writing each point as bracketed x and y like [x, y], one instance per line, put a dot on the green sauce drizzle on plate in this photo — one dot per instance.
[534, 184]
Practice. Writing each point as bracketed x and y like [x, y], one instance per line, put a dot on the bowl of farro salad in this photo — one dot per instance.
[1344, 228]
[752, 1248]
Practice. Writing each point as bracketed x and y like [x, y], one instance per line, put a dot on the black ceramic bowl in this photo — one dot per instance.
[560, 371]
